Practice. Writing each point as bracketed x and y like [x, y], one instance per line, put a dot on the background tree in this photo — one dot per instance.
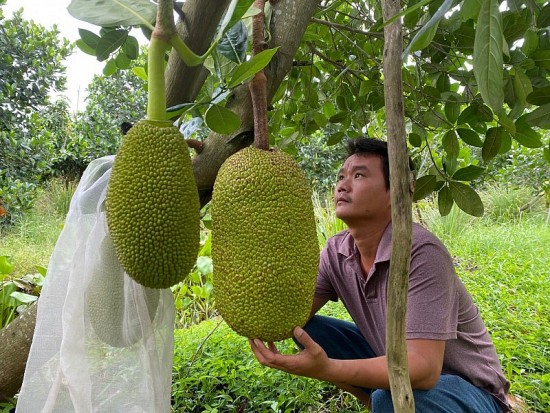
[31, 71]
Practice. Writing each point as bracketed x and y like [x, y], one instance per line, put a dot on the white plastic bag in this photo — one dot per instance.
[102, 342]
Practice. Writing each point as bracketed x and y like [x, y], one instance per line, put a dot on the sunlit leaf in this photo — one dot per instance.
[6, 265]
[470, 137]
[248, 69]
[110, 13]
[221, 120]
[451, 144]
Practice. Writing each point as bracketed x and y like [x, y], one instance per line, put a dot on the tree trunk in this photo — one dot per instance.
[287, 27]
[15, 343]
[396, 350]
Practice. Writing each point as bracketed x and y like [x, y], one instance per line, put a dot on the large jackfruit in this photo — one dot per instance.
[264, 244]
[153, 205]
[113, 308]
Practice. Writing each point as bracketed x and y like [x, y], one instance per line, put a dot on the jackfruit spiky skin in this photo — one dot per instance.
[264, 244]
[114, 315]
[153, 205]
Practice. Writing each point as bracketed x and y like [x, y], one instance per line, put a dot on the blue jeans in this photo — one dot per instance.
[452, 394]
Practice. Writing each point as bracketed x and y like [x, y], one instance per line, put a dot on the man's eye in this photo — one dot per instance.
[340, 177]
[357, 175]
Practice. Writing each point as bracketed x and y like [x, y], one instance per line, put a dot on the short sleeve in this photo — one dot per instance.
[323, 286]
[433, 300]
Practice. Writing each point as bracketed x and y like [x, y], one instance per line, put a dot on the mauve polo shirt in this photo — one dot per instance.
[439, 306]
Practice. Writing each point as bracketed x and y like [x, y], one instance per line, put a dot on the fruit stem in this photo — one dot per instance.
[258, 84]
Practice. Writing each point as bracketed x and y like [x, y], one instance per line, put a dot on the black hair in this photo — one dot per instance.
[376, 147]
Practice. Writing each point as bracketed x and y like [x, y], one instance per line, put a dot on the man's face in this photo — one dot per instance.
[360, 193]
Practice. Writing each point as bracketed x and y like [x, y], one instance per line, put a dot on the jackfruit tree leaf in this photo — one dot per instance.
[542, 58]
[248, 69]
[339, 117]
[221, 120]
[540, 117]
[110, 42]
[470, 137]
[140, 72]
[241, 9]
[530, 42]
[89, 38]
[468, 173]
[444, 201]
[110, 67]
[335, 138]
[522, 86]
[131, 47]
[84, 47]
[425, 185]
[488, 60]
[452, 109]
[491, 145]
[122, 61]
[507, 123]
[469, 114]
[234, 43]
[543, 19]
[425, 35]
[415, 140]
[527, 136]
[466, 199]
[539, 96]
[451, 144]
[110, 13]
[470, 9]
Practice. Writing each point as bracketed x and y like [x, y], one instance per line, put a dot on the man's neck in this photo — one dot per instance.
[367, 238]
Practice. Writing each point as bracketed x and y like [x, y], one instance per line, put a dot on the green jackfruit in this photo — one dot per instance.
[113, 315]
[264, 244]
[153, 205]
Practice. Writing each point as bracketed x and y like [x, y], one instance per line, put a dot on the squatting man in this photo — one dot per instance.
[453, 364]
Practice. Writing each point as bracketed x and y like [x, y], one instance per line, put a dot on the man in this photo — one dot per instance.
[453, 364]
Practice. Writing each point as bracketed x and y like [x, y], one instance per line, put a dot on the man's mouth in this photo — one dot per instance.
[342, 199]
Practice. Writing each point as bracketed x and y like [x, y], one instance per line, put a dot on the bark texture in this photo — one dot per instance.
[401, 201]
[15, 343]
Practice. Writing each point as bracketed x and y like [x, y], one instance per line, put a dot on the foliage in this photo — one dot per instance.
[505, 267]
[16, 293]
[214, 371]
[193, 297]
[31, 70]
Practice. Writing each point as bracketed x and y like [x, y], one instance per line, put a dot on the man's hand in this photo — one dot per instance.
[311, 362]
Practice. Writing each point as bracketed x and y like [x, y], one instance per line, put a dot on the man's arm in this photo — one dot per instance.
[425, 359]
[318, 303]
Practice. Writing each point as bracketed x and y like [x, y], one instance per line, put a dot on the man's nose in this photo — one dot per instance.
[342, 185]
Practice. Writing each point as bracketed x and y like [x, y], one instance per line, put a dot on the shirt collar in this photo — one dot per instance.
[348, 248]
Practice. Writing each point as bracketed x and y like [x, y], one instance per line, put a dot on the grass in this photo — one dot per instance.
[502, 258]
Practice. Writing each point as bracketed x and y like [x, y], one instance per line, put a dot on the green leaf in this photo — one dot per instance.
[122, 61]
[488, 61]
[110, 67]
[470, 137]
[522, 86]
[85, 48]
[466, 199]
[131, 48]
[542, 58]
[339, 117]
[451, 145]
[6, 266]
[234, 43]
[23, 298]
[540, 117]
[470, 9]
[468, 173]
[425, 35]
[248, 69]
[41, 270]
[140, 72]
[110, 42]
[425, 185]
[452, 109]
[89, 38]
[241, 8]
[444, 201]
[221, 120]
[415, 140]
[335, 138]
[543, 19]
[114, 12]
[539, 96]
[526, 135]
[492, 143]
[530, 42]
[469, 114]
